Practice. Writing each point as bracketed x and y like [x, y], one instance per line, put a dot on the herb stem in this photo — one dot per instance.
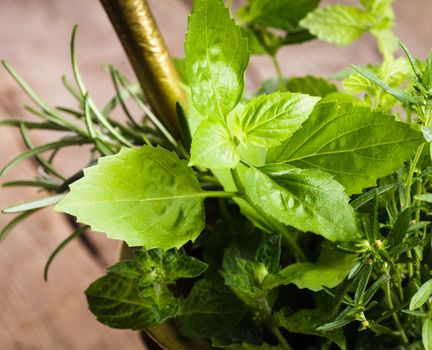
[413, 166]
[272, 325]
[279, 73]
[387, 293]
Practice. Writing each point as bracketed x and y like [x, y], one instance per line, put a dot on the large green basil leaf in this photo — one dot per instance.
[270, 119]
[354, 143]
[115, 301]
[281, 14]
[146, 197]
[213, 146]
[216, 58]
[308, 199]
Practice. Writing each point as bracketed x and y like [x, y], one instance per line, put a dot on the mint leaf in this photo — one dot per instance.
[216, 58]
[116, 303]
[354, 143]
[329, 270]
[209, 312]
[306, 322]
[281, 14]
[337, 24]
[213, 146]
[270, 119]
[303, 198]
[146, 197]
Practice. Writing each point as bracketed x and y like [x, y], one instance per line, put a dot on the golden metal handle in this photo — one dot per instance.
[149, 56]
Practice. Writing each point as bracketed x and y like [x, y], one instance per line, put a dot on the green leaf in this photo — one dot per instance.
[304, 198]
[209, 312]
[427, 333]
[398, 94]
[270, 119]
[328, 271]
[116, 303]
[337, 24]
[355, 144]
[216, 58]
[281, 14]
[213, 146]
[425, 197]
[400, 228]
[146, 197]
[35, 204]
[306, 322]
[421, 296]
[311, 85]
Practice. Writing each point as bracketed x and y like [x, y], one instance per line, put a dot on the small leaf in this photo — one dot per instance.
[421, 296]
[216, 58]
[303, 198]
[369, 195]
[328, 271]
[425, 197]
[270, 119]
[427, 333]
[306, 322]
[337, 24]
[213, 146]
[310, 85]
[116, 303]
[280, 14]
[400, 95]
[400, 228]
[146, 197]
[36, 204]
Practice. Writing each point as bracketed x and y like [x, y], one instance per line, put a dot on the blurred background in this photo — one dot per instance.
[34, 38]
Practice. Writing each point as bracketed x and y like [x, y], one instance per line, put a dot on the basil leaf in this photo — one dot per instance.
[421, 296]
[213, 146]
[116, 303]
[270, 119]
[354, 143]
[303, 198]
[281, 14]
[311, 85]
[216, 58]
[146, 197]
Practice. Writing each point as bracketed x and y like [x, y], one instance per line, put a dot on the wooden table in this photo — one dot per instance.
[34, 37]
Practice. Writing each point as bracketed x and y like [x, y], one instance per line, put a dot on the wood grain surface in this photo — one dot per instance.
[34, 37]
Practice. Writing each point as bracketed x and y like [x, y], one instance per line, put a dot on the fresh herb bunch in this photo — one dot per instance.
[294, 219]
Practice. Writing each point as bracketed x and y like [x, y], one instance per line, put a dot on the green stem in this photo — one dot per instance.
[279, 73]
[413, 166]
[272, 325]
[219, 194]
[389, 300]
